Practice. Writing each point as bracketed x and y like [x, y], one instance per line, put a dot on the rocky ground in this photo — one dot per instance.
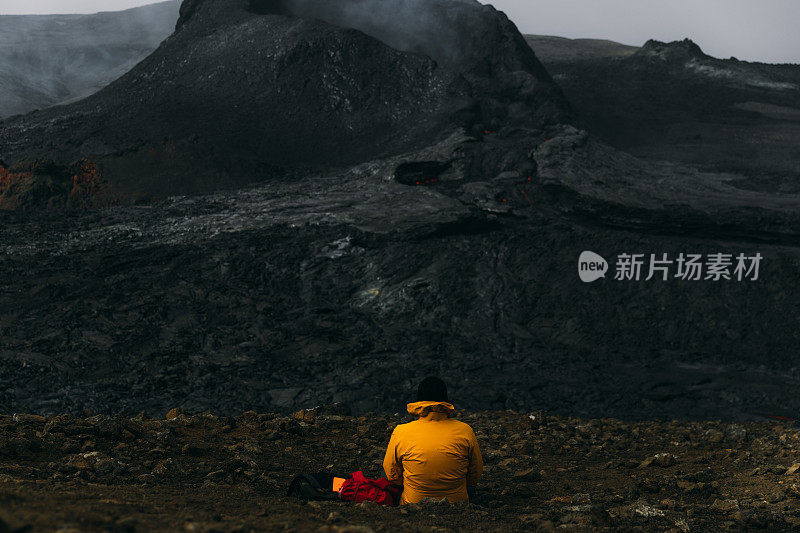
[351, 286]
[208, 473]
[450, 253]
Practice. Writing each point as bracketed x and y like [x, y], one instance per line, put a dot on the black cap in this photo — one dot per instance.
[432, 389]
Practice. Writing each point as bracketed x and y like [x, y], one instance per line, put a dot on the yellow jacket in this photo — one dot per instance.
[434, 456]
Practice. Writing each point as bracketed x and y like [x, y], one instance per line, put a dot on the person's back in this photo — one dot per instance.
[434, 456]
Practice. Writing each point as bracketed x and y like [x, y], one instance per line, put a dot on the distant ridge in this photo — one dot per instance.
[550, 48]
[685, 49]
[51, 59]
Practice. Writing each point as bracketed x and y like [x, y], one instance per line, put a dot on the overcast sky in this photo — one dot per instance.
[755, 30]
[24, 7]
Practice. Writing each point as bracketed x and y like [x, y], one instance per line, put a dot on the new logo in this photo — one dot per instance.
[591, 267]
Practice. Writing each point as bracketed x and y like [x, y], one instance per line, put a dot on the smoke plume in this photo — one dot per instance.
[50, 59]
[439, 30]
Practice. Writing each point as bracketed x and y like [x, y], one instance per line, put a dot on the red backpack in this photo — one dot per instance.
[358, 489]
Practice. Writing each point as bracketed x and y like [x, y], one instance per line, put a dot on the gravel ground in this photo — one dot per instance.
[208, 473]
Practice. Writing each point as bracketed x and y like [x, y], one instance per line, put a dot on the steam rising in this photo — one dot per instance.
[50, 59]
[437, 29]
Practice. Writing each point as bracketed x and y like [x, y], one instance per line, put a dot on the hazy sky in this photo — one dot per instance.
[756, 30]
[22, 7]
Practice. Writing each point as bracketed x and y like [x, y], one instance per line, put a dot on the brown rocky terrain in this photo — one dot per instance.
[209, 473]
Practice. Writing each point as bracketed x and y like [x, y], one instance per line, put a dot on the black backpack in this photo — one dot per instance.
[317, 487]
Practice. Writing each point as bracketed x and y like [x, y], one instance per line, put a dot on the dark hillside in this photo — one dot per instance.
[551, 49]
[241, 92]
[670, 101]
[51, 59]
[418, 211]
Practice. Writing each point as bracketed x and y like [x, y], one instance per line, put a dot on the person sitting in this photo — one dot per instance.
[434, 456]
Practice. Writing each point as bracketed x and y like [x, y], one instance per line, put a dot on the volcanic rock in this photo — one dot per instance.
[531, 474]
[676, 50]
[672, 101]
[725, 505]
[173, 414]
[347, 284]
[736, 432]
[245, 91]
[660, 459]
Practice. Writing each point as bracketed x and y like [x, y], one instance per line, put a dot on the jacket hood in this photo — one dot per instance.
[423, 408]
